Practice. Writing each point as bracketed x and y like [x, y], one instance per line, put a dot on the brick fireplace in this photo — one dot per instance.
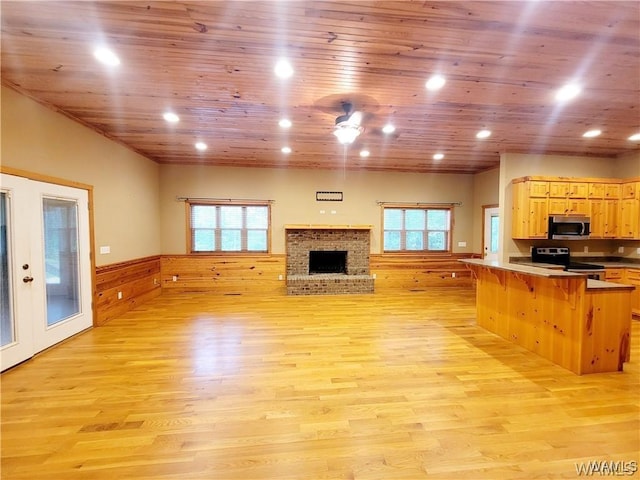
[354, 240]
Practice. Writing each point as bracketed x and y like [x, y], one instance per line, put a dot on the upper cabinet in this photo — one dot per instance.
[631, 190]
[629, 225]
[613, 205]
[529, 212]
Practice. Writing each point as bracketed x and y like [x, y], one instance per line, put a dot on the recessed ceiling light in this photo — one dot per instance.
[283, 69]
[106, 56]
[171, 117]
[635, 137]
[483, 134]
[388, 128]
[285, 150]
[436, 82]
[285, 123]
[364, 153]
[568, 92]
[201, 146]
[591, 133]
[438, 156]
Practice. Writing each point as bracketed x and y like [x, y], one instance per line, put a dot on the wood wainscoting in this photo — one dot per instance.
[137, 280]
[409, 272]
[242, 274]
[224, 274]
[142, 279]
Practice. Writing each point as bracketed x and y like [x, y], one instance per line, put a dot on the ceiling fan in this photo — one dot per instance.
[348, 126]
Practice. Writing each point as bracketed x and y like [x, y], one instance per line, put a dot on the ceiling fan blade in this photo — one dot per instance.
[355, 119]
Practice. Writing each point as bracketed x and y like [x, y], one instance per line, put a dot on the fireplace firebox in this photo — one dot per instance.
[325, 261]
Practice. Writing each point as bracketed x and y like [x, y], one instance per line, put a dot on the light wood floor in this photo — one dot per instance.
[320, 387]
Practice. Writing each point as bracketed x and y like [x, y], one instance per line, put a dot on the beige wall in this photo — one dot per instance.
[520, 165]
[126, 185]
[293, 192]
[486, 189]
[628, 166]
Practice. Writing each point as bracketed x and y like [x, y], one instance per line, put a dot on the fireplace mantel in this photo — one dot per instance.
[309, 226]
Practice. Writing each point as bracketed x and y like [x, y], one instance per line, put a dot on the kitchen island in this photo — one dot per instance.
[580, 324]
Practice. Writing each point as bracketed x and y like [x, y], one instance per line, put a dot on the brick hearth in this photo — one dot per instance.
[355, 241]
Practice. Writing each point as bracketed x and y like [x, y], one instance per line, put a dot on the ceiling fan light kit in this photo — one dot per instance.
[346, 133]
[347, 127]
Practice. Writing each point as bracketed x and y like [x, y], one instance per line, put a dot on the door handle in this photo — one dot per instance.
[27, 279]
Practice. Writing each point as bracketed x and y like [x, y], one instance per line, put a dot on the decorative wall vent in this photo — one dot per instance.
[328, 196]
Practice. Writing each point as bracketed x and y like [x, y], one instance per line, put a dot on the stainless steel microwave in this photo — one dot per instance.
[563, 227]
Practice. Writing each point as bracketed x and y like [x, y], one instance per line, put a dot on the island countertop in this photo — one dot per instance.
[519, 268]
[546, 273]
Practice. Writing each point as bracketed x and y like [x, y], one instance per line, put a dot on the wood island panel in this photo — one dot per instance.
[555, 316]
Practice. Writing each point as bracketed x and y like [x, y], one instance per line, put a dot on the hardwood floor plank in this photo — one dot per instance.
[402, 386]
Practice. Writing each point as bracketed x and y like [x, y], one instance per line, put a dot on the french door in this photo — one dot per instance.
[491, 233]
[45, 267]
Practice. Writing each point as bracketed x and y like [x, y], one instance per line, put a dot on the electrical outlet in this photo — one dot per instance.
[374, 276]
[175, 278]
[453, 274]
[279, 277]
[620, 249]
[155, 281]
[638, 250]
[119, 295]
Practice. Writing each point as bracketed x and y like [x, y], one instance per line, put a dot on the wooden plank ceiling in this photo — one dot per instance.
[212, 63]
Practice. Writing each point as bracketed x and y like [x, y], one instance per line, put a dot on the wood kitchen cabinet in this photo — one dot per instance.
[597, 216]
[614, 274]
[630, 190]
[627, 276]
[536, 188]
[568, 189]
[612, 191]
[597, 190]
[578, 189]
[629, 211]
[557, 206]
[568, 206]
[604, 218]
[529, 210]
[632, 277]
[629, 225]
[558, 189]
[568, 198]
[612, 205]
[611, 208]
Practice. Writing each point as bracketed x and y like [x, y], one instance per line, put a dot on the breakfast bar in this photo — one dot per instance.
[580, 324]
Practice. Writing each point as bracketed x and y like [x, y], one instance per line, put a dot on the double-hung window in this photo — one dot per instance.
[417, 229]
[229, 227]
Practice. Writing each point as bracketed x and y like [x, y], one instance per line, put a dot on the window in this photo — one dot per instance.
[417, 229]
[229, 227]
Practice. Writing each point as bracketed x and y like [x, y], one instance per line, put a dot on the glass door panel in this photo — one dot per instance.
[16, 280]
[7, 324]
[491, 233]
[60, 221]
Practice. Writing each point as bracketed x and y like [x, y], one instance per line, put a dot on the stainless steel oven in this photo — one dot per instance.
[562, 227]
[593, 274]
[562, 256]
